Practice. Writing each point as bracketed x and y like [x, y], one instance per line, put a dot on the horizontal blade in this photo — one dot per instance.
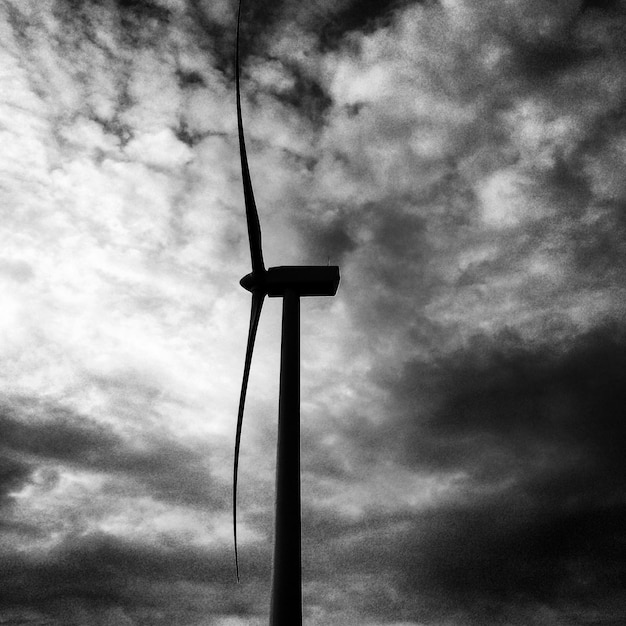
[252, 217]
[255, 314]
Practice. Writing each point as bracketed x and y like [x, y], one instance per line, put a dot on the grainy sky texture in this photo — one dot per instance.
[463, 161]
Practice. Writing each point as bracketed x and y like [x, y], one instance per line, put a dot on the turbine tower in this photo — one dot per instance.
[289, 283]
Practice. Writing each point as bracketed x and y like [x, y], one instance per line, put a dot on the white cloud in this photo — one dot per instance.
[504, 200]
[154, 93]
[159, 149]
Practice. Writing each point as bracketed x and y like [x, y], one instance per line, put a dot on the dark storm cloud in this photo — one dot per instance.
[602, 5]
[24, 445]
[498, 557]
[13, 474]
[33, 434]
[535, 433]
[144, 580]
[98, 573]
[91, 574]
[501, 401]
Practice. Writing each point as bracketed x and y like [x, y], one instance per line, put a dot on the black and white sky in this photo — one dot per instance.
[463, 423]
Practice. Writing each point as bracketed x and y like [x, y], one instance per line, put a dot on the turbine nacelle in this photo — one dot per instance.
[305, 280]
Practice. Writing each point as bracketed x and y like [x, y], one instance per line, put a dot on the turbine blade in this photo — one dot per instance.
[252, 217]
[255, 314]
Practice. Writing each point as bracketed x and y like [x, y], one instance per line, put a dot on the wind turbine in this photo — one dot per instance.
[289, 283]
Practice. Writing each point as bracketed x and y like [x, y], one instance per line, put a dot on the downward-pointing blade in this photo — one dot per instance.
[252, 217]
[255, 314]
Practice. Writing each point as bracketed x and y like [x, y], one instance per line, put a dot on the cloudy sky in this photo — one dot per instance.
[463, 395]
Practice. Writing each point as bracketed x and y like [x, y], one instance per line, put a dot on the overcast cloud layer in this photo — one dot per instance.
[463, 394]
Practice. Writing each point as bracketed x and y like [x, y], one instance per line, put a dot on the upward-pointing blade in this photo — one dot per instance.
[252, 217]
[255, 314]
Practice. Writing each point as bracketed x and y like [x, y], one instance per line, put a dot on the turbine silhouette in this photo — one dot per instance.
[291, 283]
